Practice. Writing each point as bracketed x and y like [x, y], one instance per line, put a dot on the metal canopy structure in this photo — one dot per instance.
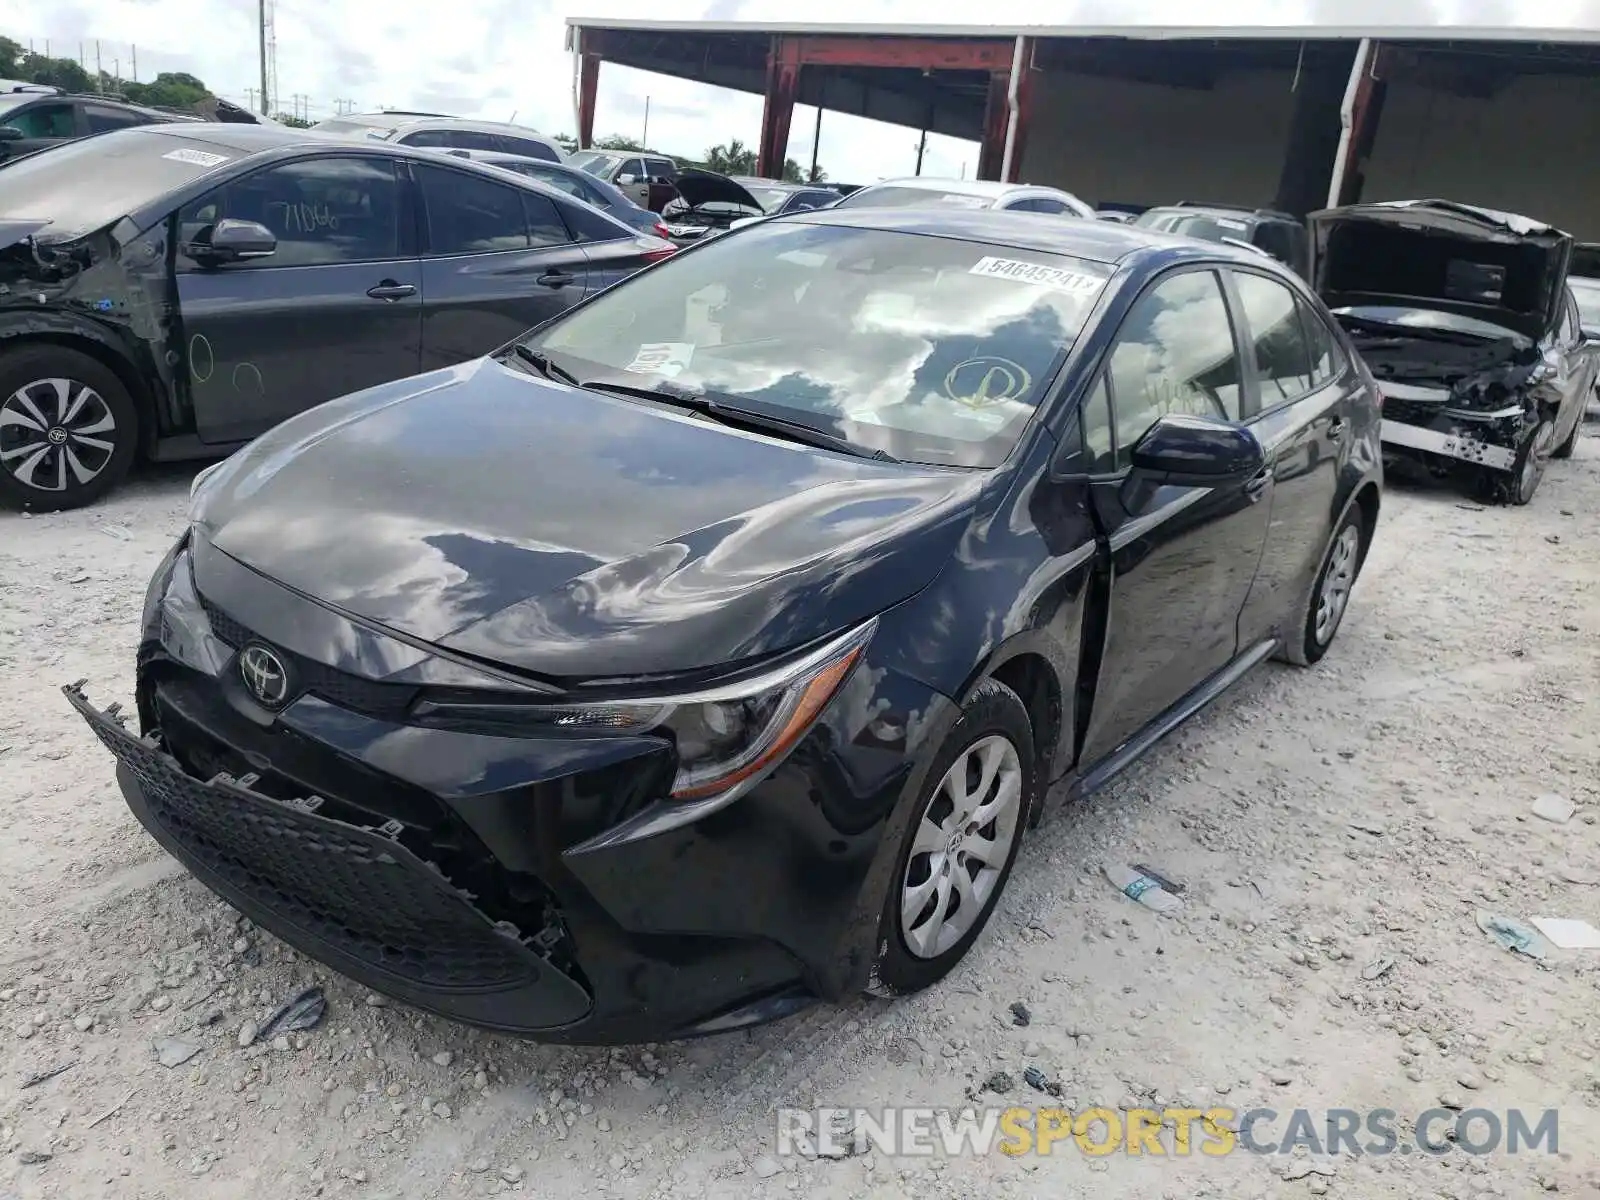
[977, 82]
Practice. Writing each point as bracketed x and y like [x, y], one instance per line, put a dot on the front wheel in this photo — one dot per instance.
[68, 428]
[1518, 485]
[960, 843]
[1330, 596]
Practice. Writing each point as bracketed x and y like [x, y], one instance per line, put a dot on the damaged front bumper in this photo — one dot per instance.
[1431, 420]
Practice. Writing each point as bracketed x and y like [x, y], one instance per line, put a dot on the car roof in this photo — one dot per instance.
[247, 139]
[1108, 242]
[964, 187]
[396, 119]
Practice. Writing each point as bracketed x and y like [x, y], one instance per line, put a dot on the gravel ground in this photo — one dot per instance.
[1321, 820]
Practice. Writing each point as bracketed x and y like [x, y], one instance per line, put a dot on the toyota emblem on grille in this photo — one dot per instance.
[265, 675]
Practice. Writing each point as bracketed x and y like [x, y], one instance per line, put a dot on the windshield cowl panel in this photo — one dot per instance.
[930, 349]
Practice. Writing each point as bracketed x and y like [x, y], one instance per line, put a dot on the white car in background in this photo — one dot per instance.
[921, 191]
[440, 132]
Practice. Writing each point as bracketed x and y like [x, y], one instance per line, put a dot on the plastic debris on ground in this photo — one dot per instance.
[1377, 968]
[304, 1011]
[172, 1052]
[1020, 1016]
[1565, 933]
[1147, 889]
[1554, 808]
[1514, 935]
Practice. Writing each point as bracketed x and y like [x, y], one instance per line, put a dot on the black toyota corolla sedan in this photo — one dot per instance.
[712, 648]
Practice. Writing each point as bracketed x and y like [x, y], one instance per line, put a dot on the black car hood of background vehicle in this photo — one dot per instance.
[1389, 253]
[574, 534]
[707, 187]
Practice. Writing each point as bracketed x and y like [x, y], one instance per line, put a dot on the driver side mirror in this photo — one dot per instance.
[231, 240]
[1198, 451]
[9, 133]
[626, 180]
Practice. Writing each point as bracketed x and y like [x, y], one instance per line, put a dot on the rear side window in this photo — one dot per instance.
[1325, 360]
[1277, 338]
[470, 215]
[661, 168]
[528, 148]
[1175, 353]
[101, 119]
[545, 227]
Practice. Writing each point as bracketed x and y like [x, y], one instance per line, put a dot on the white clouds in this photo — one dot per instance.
[498, 58]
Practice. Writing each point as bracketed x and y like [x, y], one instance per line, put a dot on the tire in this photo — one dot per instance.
[68, 429]
[1519, 485]
[1341, 563]
[916, 953]
[1567, 447]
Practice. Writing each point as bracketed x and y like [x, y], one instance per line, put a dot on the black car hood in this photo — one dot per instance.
[1438, 254]
[572, 534]
[707, 187]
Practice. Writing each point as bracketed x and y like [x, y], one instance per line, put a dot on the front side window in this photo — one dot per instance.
[1277, 336]
[43, 121]
[1174, 354]
[931, 349]
[468, 214]
[322, 211]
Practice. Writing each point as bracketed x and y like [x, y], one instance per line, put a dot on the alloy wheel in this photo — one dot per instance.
[1337, 581]
[962, 845]
[1537, 459]
[56, 434]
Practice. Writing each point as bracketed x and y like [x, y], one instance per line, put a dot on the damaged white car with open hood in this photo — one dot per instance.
[1465, 319]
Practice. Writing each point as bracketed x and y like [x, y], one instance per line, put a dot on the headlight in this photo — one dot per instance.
[726, 737]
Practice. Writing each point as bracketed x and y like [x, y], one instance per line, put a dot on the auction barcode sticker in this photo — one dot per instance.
[199, 158]
[661, 358]
[1037, 273]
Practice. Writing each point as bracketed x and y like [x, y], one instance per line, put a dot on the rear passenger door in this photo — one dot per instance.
[1302, 409]
[497, 260]
[1182, 558]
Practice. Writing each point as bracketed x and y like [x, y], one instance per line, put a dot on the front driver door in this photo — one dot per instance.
[1182, 558]
[336, 308]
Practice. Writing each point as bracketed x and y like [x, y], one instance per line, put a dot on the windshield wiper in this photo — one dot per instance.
[541, 362]
[795, 431]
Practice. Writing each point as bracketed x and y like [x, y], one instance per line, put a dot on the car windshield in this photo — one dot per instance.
[893, 196]
[768, 197]
[1587, 293]
[376, 128]
[130, 168]
[1208, 227]
[931, 349]
[592, 161]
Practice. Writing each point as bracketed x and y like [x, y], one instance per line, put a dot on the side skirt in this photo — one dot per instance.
[1118, 760]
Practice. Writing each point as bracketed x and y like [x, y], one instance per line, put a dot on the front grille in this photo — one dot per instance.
[369, 696]
[356, 890]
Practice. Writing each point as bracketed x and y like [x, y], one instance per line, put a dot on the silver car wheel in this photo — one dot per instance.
[963, 842]
[55, 434]
[1337, 581]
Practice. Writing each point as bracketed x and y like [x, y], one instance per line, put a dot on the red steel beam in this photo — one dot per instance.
[783, 87]
[588, 87]
[992, 149]
[930, 54]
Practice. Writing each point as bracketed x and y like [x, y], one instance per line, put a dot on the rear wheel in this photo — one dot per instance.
[1330, 596]
[960, 844]
[68, 428]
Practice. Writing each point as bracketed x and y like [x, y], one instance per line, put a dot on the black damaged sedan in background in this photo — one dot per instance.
[711, 649]
[170, 292]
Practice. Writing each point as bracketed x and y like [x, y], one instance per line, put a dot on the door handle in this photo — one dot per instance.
[556, 279]
[1256, 486]
[391, 291]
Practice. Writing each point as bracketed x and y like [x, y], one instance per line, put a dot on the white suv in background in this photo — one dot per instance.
[444, 133]
[922, 191]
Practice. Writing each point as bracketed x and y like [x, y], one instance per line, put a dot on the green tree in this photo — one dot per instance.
[11, 55]
[292, 121]
[735, 158]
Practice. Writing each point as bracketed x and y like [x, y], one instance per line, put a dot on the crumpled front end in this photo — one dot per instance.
[1485, 419]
